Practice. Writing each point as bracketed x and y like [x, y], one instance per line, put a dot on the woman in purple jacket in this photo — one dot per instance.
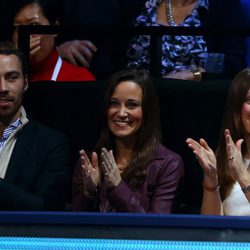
[130, 171]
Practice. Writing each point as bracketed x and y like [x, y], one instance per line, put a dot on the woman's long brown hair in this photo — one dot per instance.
[148, 136]
[232, 120]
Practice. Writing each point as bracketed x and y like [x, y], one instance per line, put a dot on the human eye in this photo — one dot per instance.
[132, 104]
[11, 77]
[113, 102]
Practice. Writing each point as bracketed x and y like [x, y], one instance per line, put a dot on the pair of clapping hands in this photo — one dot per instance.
[207, 159]
[92, 171]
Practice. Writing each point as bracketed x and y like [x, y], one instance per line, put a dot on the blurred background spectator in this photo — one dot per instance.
[103, 53]
[180, 54]
[45, 63]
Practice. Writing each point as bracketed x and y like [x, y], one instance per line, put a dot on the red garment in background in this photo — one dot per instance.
[62, 71]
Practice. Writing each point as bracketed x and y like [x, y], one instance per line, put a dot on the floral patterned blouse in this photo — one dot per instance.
[178, 52]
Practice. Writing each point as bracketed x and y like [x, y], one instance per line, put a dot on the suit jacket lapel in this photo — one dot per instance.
[20, 151]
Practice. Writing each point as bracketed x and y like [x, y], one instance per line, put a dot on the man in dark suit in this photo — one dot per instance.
[34, 159]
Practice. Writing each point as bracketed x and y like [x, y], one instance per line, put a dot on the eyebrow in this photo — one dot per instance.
[13, 72]
[29, 19]
[134, 100]
[128, 100]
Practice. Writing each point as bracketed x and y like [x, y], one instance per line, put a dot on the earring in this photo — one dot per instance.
[25, 88]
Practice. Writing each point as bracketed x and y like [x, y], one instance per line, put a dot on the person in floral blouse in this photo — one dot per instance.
[181, 54]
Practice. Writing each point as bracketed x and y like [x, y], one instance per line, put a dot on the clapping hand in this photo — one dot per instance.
[91, 173]
[110, 169]
[234, 156]
[207, 160]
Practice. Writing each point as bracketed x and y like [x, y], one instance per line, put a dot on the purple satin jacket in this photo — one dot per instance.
[157, 194]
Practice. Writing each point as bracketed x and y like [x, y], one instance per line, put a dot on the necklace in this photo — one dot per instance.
[170, 14]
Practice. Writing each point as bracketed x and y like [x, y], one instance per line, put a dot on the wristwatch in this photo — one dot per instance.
[197, 74]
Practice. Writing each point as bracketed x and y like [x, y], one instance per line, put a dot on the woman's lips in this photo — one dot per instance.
[122, 123]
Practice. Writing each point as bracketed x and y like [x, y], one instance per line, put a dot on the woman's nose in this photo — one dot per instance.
[122, 111]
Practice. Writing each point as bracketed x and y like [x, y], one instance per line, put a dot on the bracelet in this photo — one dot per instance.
[197, 74]
[246, 189]
[213, 189]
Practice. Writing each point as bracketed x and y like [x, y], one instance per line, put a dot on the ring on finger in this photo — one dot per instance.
[231, 158]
